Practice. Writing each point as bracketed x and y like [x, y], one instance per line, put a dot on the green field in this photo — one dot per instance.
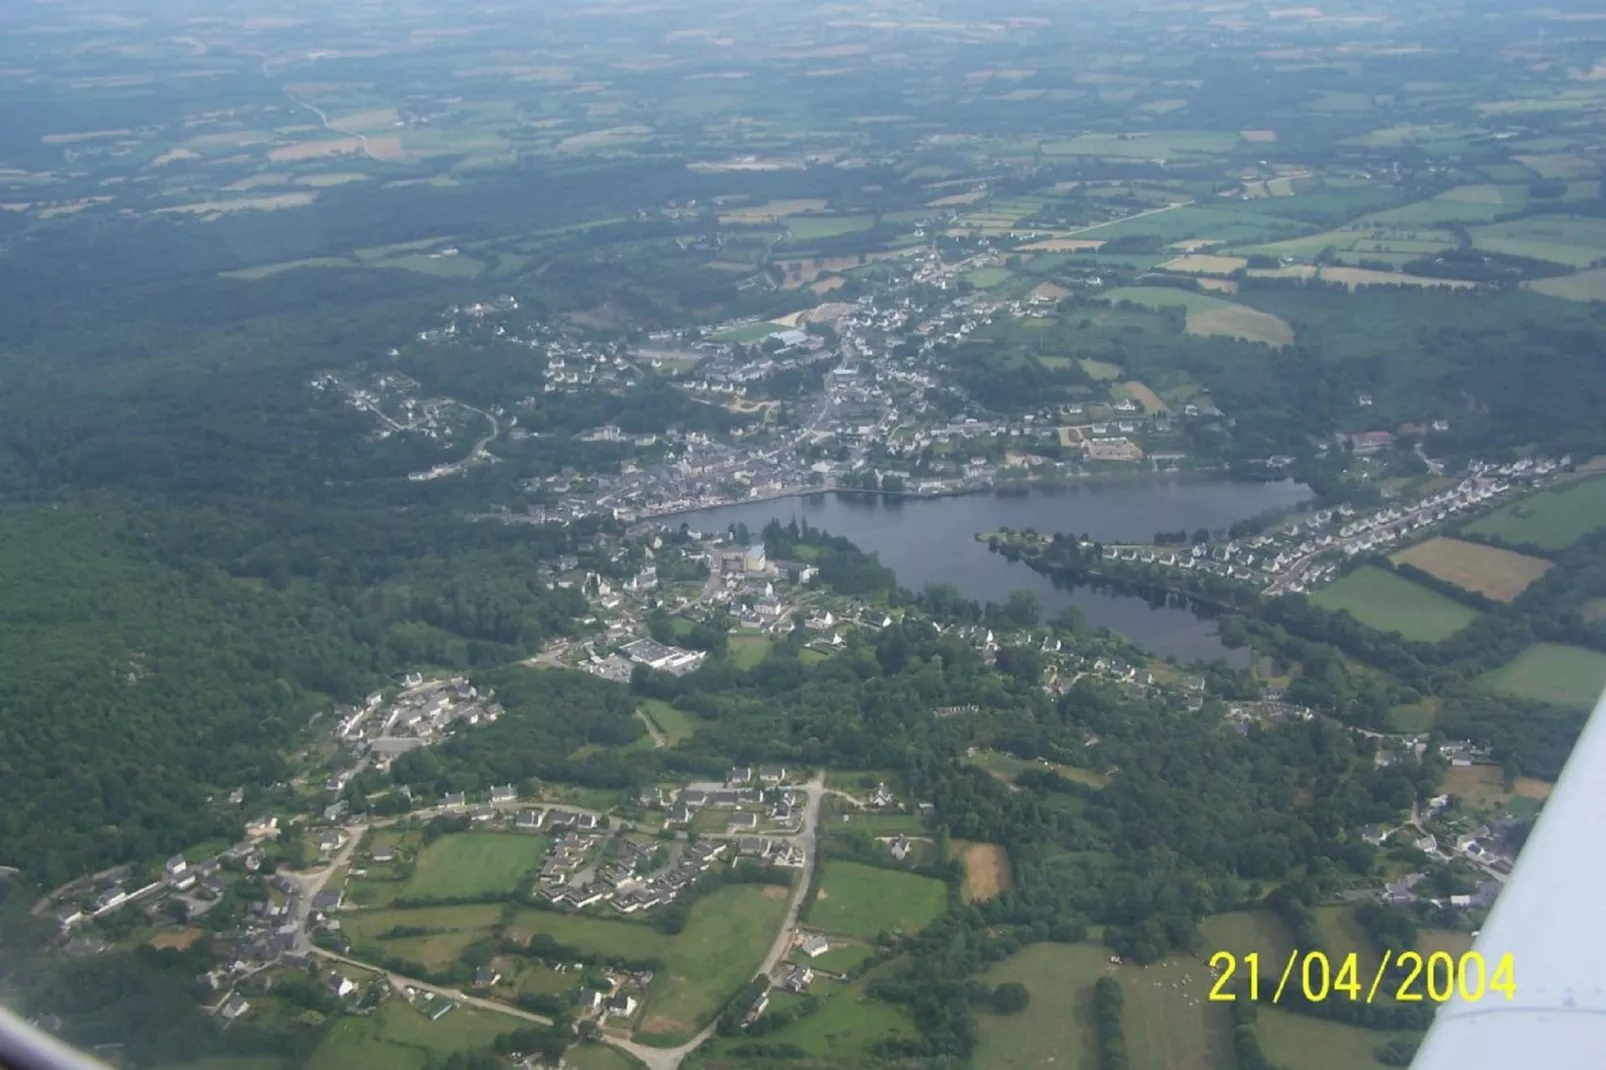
[1169, 1020]
[450, 930]
[813, 228]
[1246, 932]
[1007, 767]
[675, 724]
[473, 863]
[844, 1028]
[1551, 519]
[1300, 1042]
[860, 900]
[988, 277]
[1551, 672]
[1587, 285]
[747, 651]
[1057, 1027]
[1209, 315]
[728, 933]
[598, 1057]
[1572, 240]
[397, 1037]
[1159, 145]
[1342, 934]
[1382, 600]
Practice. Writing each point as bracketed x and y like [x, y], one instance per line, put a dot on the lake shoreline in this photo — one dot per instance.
[935, 541]
[1024, 486]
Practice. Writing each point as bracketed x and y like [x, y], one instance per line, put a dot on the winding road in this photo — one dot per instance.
[807, 838]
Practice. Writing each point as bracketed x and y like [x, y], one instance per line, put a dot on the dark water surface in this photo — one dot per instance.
[932, 540]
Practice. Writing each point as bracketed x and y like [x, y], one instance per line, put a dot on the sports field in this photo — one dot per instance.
[1552, 519]
[1056, 1028]
[1498, 574]
[473, 863]
[1389, 603]
[860, 900]
[1552, 672]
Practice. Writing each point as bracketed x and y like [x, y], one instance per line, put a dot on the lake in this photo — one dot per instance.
[932, 540]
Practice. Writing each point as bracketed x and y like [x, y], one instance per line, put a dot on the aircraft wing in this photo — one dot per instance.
[1551, 919]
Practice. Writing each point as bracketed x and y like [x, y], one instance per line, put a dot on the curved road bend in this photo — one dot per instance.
[806, 837]
[655, 1058]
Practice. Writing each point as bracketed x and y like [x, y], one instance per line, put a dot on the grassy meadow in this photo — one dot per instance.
[1390, 603]
[859, 900]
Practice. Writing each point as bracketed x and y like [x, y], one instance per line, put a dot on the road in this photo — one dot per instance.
[807, 838]
[401, 980]
[310, 884]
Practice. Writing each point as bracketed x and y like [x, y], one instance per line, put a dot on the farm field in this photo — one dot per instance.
[1057, 1026]
[472, 863]
[1498, 574]
[1169, 1021]
[1391, 242]
[1485, 785]
[1390, 603]
[1159, 145]
[813, 228]
[1575, 241]
[987, 869]
[1210, 315]
[1244, 932]
[1450, 941]
[1342, 934]
[1586, 285]
[1357, 277]
[1551, 672]
[397, 1037]
[729, 931]
[859, 900]
[449, 926]
[1301, 1042]
[1550, 520]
